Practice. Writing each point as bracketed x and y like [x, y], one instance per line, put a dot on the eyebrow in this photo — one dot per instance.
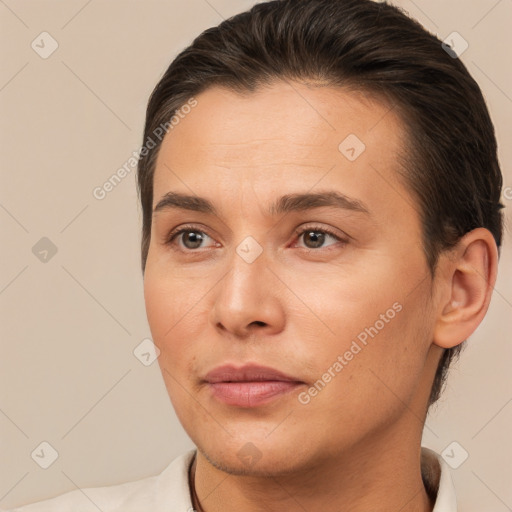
[284, 204]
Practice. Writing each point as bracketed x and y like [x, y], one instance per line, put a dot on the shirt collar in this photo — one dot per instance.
[438, 481]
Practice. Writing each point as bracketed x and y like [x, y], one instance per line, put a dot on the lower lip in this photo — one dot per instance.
[251, 394]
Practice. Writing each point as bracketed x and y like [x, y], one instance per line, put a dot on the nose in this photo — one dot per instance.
[248, 299]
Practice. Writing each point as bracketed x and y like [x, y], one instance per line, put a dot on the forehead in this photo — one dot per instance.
[298, 113]
[284, 135]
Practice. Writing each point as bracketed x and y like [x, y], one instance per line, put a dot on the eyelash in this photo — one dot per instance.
[298, 232]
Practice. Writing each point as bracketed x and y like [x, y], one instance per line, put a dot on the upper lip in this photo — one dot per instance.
[246, 373]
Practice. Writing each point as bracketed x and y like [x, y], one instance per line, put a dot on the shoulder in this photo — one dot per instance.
[152, 493]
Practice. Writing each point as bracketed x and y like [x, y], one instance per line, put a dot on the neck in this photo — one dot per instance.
[383, 474]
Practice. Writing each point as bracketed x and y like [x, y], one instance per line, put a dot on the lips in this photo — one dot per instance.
[247, 373]
[249, 385]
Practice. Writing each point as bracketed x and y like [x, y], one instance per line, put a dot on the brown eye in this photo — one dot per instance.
[188, 239]
[192, 239]
[315, 238]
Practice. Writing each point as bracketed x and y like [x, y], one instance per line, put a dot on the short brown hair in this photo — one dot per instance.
[450, 157]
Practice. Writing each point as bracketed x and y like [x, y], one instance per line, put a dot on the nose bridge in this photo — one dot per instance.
[245, 283]
[245, 296]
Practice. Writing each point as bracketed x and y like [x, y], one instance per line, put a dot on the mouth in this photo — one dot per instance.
[250, 385]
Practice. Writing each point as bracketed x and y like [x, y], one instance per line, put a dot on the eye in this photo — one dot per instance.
[315, 237]
[189, 238]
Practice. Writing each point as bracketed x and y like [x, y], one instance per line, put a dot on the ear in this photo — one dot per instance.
[466, 283]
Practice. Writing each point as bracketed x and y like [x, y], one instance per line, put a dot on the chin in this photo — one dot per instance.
[232, 464]
[265, 457]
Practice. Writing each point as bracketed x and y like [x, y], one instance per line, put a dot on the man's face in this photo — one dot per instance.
[336, 297]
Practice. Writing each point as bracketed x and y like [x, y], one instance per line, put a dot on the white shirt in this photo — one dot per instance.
[169, 492]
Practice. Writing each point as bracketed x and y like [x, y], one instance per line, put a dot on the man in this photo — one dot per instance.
[321, 224]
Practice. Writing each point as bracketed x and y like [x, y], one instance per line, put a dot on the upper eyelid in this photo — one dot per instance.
[179, 230]
[328, 231]
[340, 238]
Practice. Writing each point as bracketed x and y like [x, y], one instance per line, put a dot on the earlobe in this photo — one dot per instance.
[469, 277]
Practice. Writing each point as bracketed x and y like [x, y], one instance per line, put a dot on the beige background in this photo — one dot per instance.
[70, 325]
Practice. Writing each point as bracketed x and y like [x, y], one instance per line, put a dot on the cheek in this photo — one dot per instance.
[337, 304]
[165, 308]
[177, 313]
[168, 313]
[378, 362]
[365, 326]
